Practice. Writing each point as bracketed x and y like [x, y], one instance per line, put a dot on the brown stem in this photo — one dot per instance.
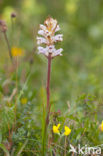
[48, 103]
[6, 39]
[48, 88]
[65, 145]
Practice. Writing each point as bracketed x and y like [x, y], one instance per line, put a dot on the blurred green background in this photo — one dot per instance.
[76, 78]
[79, 70]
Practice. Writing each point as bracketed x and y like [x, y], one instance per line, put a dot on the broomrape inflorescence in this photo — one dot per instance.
[49, 38]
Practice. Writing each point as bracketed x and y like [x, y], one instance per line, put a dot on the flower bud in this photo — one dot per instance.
[13, 15]
[3, 26]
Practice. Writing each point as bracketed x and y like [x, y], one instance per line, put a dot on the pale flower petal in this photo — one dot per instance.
[44, 33]
[41, 32]
[54, 25]
[58, 37]
[41, 40]
[43, 27]
[41, 50]
[57, 28]
[57, 52]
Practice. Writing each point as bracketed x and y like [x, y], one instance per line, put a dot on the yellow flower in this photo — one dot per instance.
[17, 52]
[67, 131]
[56, 129]
[24, 101]
[101, 126]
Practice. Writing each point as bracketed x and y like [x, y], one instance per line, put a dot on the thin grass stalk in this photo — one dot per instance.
[65, 146]
[17, 89]
[8, 45]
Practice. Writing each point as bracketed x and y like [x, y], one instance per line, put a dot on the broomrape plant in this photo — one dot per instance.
[47, 31]
[49, 38]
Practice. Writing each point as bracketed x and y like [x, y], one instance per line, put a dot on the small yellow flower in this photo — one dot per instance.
[24, 101]
[56, 129]
[67, 130]
[101, 126]
[17, 52]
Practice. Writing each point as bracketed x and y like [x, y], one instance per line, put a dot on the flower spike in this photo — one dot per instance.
[47, 31]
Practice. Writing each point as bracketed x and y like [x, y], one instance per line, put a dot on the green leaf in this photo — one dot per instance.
[4, 149]
[0, 137]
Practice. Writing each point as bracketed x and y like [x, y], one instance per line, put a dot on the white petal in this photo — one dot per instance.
[57, 28]
[45, 33]
[58, 37]
[57, 52]
[41, 40]
[42, 50]
[43, 27]
[41, 32]
[54, 23]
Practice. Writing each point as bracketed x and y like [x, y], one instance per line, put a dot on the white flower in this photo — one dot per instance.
[57, 52]
[41, 40]
[48, 31]
[58, 37]
[42, 50]
[44, 32]
[50, 50]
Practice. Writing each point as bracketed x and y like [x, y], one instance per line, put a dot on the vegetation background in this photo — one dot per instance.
[76, 79]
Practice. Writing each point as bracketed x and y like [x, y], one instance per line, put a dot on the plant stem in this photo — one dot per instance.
[48, 88]
[65, 145]
[17, 89]
[48, 104]
[8, 45]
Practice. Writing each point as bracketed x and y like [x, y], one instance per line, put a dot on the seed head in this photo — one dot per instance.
[3, 26]
[13, 14]
[47, 31]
